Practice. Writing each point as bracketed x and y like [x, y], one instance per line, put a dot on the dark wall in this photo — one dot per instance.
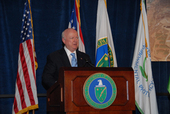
[50, 18]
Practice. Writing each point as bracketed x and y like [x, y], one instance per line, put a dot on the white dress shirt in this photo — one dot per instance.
[68, 54]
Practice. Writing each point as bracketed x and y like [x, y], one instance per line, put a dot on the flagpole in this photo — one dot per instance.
[36, 65]
[33, 111]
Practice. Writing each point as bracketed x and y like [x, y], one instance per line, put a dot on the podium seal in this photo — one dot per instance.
[99, 90]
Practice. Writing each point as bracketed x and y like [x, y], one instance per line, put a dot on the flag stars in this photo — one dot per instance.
[26, 32]
[73, 27]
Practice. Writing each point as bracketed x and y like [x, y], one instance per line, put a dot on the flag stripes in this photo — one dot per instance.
[78, 22]
[75, 24]
[25, 77]
[35, 57]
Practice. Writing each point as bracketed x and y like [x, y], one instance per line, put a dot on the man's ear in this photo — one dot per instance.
[63, 40]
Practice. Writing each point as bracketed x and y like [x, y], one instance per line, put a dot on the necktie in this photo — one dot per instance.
[73, 60]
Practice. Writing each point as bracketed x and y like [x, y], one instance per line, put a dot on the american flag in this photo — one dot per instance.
[26, 90]
[75, 24]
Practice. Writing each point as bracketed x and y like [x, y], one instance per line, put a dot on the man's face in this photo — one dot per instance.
[71, 40]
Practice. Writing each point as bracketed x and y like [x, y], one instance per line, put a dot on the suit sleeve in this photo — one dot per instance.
[49, 73]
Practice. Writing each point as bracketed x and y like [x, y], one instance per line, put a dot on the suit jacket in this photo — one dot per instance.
[59, 59]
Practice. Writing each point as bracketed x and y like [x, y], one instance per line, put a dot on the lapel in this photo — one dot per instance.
[79, 59]
[64, 58]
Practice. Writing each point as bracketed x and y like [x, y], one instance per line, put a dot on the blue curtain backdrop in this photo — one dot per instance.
[50, 18]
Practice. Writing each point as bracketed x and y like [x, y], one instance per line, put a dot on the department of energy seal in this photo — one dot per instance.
[99, 90]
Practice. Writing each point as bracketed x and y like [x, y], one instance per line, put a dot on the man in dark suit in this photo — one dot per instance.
[63, 57]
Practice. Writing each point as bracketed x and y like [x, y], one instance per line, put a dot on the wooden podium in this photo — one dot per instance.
[66, 96]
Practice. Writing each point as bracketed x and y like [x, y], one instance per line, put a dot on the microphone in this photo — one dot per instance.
[87, 62]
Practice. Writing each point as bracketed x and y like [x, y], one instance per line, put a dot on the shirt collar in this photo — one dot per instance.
[69, 52]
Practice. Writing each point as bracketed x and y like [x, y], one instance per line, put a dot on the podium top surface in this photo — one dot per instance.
[96, 68]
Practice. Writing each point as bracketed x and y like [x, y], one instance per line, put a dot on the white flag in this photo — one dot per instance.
[105, 52]
[145, 95]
